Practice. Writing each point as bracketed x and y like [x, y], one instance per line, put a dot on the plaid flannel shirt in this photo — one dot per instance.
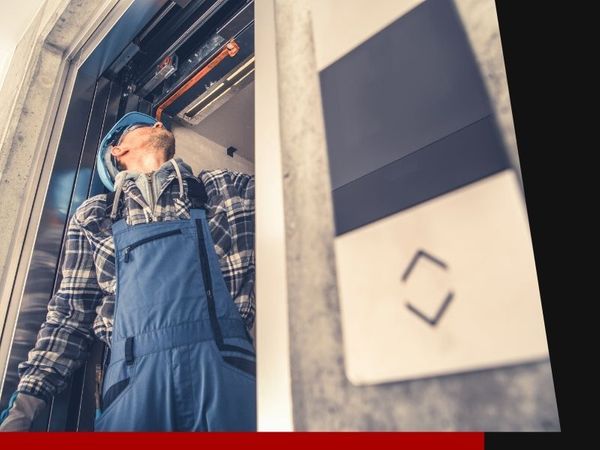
[83, 306]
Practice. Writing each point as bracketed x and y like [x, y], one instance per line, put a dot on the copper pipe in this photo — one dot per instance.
[230, 49]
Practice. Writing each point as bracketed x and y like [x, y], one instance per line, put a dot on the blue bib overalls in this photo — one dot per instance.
[181, 358]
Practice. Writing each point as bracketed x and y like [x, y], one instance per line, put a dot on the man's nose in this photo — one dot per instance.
[158, 125]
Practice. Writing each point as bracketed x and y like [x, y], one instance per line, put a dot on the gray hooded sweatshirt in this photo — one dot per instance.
[150, 183]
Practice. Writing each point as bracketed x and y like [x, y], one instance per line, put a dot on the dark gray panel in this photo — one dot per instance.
[457, 160]
[409, 85]
[120, 35]
[109, 119]
[70, 174]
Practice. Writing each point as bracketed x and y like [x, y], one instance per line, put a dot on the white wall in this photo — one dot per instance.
[202, 153]
[14, 20]
[274, 393]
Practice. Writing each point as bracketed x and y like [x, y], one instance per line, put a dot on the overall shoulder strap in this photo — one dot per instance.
[110, 197]
[196, 192]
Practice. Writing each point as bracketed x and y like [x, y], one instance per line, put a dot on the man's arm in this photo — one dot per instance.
[244, 184]
[64, 338]
[225, 180]
[240, 217]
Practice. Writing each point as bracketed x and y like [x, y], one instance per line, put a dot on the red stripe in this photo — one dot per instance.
[280, 441]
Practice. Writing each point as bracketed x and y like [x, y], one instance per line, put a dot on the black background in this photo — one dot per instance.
[539, 54]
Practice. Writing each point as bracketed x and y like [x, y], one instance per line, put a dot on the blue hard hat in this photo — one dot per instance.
[104, 162]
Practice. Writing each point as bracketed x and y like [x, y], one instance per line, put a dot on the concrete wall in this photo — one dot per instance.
[481, 25]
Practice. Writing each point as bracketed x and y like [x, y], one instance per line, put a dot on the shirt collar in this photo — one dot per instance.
[165, 173]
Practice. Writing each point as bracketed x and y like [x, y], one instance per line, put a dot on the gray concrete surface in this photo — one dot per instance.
[480, 23]
[518, 398]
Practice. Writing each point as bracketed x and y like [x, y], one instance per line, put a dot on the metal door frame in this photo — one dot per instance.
[82, 99]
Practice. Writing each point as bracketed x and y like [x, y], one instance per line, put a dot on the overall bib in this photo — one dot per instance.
[181, 358]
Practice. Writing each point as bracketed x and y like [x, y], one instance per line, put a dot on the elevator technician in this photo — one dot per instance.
[161, 269]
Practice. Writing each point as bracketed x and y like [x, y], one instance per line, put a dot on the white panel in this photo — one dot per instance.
[272, 334]
[480, 233]
[341, 25]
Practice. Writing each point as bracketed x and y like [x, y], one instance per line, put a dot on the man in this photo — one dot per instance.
[162, 271]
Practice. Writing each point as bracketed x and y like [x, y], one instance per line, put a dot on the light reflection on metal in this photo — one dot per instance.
[210, 97]
[231, 49]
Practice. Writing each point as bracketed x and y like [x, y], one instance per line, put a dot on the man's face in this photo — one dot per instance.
[141, 139]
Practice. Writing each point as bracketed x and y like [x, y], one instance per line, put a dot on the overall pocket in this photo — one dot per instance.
[119, 379]
[127, 250]
[236, 356]
[240, 363]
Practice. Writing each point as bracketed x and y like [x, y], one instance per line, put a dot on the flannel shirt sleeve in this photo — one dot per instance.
[242, 225]
[64, 339]
[244, 184]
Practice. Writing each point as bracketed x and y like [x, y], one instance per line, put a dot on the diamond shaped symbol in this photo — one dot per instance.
[423, 255]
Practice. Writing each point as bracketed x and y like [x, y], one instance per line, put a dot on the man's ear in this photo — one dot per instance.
[118, 151]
